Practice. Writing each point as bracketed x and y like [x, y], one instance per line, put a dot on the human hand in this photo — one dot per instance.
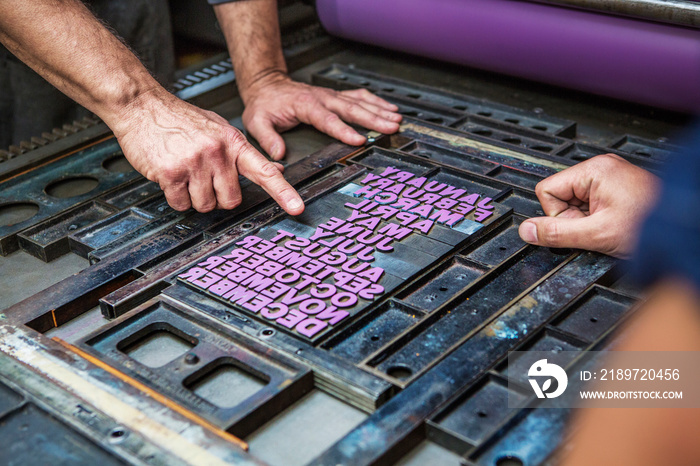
[276, 103]
[596, 205]
[195, 155]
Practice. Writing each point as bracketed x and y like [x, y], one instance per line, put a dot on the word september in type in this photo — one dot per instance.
[310, 284]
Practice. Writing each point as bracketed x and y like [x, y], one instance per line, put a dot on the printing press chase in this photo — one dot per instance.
[310, 274]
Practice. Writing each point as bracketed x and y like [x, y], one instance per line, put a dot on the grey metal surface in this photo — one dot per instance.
[24, 275]
[599, 121]
[683, 13]
[429, 453]
[304, 430]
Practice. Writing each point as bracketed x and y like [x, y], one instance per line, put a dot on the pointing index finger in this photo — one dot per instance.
[267, 175]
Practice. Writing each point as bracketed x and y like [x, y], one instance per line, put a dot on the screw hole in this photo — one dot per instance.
[482, 132]
[502, 248]
[459, 107]
[436, 120]
[117, 435]
[560, 251]
[443, 288]
[509, 461]
[413, 96]
[486, 114]
[374, 337]
[267, 332]
[399, 372]
[247, 226]
[512, 120]
[594, 319]
[481, 414]
[512, 140]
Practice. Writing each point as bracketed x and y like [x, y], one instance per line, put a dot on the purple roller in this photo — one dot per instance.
[649, 63]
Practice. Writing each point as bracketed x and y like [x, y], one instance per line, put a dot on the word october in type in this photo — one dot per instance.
[308, 285]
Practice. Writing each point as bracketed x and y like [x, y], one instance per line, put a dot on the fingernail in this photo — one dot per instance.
[528, 232]
[357, 140]
[275, 150]
[296, 204]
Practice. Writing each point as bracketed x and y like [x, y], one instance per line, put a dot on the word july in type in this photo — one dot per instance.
[282, 280]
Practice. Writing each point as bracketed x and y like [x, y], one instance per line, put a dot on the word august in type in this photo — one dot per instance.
[281, 280]
[415, 202]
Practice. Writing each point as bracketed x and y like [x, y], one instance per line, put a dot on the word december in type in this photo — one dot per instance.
[309, 285]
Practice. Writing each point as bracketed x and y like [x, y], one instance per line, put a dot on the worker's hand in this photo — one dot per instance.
[195, 155]
[597, 205]
[276, 103]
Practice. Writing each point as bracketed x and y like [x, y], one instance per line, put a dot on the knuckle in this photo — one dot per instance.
[234, 137]
[229, 204]
[208, 145]
[605, 162]
[206, 206]
[331, 119]
[171, 173]
[351, 108]
[307, 98]
[287, 192]
[540, 188]
[551, 233]
[268, 170]
[180, 204]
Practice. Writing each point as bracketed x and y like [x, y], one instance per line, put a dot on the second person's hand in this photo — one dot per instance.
[596, 205]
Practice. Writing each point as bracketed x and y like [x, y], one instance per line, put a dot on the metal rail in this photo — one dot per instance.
[679, 12]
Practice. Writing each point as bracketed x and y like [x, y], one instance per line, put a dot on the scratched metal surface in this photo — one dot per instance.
[410, 373]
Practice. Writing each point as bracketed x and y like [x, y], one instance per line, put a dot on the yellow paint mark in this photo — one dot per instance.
[342, 160]
[21, 348]
[154, 394]
[459, 141]
[81, 148]
[528, 302]
[53, 314]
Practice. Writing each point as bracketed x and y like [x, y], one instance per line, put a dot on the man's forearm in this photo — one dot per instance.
[70, 48]
[273, 102]
[252, 33]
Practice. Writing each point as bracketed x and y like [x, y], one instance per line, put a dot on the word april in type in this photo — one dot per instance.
[311, 284]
